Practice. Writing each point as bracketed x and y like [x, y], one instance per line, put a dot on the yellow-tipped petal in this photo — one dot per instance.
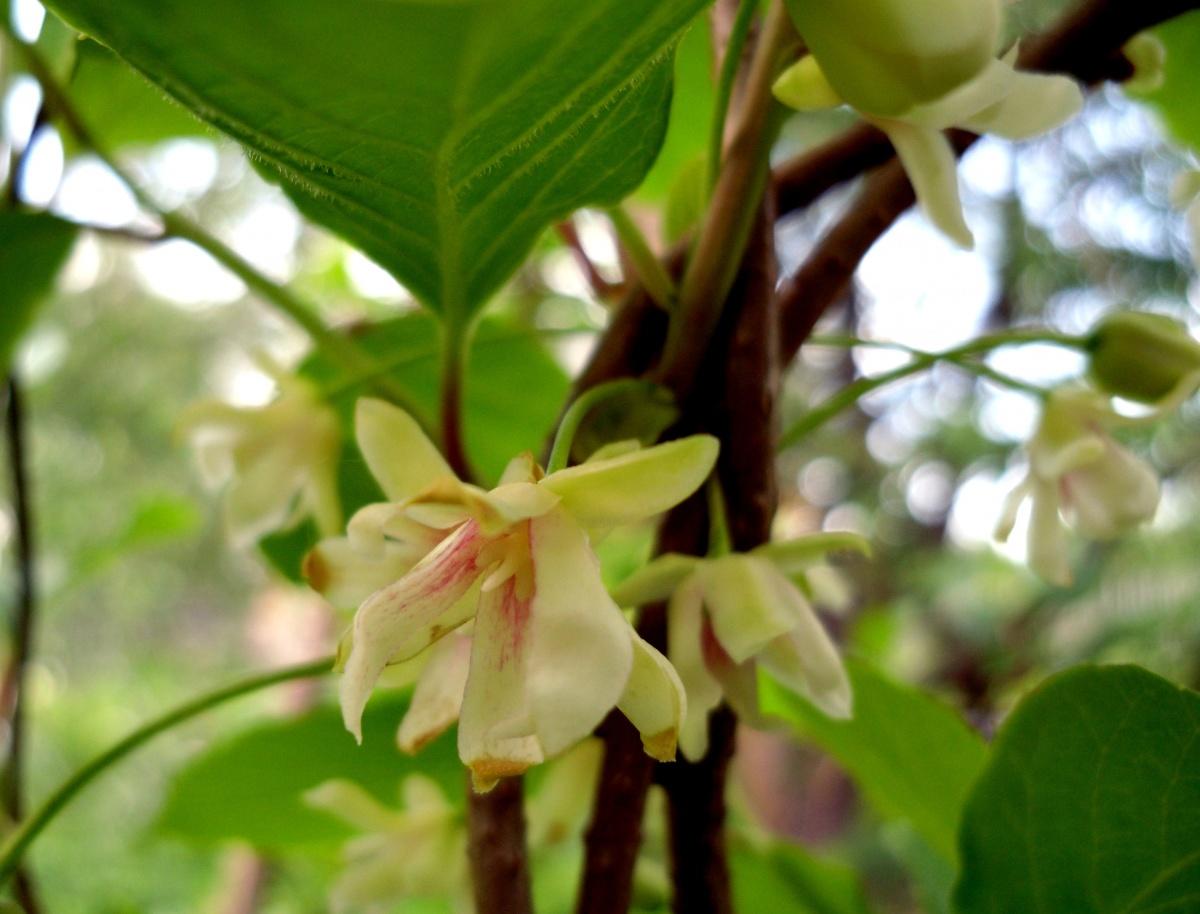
[654, 700]
[400, 457]
[636, 485]
[804, 87]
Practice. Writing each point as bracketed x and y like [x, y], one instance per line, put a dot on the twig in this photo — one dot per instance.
[13, 694]
[496, 841]
[601, 287]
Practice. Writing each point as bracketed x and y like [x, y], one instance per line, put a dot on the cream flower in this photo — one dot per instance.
[281, 458]
[726, 615]
[550, 653]
[1078, 472]
[914, 68]
[417, 852]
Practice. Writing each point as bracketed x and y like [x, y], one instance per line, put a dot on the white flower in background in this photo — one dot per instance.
[726, 615]
[279, 460]
[915, 68]
[1078, 472]
[1185, 195]
[550, 653]
[419, 851]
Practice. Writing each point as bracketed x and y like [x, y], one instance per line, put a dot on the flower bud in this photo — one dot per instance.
[885, 57]
[1140, 356]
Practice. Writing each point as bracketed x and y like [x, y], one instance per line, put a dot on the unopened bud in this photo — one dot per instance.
[1141, 356]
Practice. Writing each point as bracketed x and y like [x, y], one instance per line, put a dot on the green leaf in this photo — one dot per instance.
[1090, 803]
[912, 755]
[784, 878]
[33, 248]
[514, 390]
[250, 787]
[1176, 98]
[120, 106]
[440, 137]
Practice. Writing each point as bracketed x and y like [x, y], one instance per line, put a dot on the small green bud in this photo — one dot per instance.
[1141, 356]
[885, 57]
[1148, 56]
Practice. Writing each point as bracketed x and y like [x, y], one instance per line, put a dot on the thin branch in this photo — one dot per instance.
[601, 287]
[13, 692]
[496, 842]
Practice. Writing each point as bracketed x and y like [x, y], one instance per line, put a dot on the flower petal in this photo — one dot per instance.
[580, 654]
[1111, 496]
[1033, 104]
[807, 661]
[352, 804]
[685, 648]
[1047, 551]
[795, 556]
[637, 485]
[750, 603]
[345, 577]
[654, 700]
[404, 618]
[803, 86]
[655, 580]
[1011, 508]
[495, 726]
[397, 452]
[932, 167]
[262, 493]
[438, 696]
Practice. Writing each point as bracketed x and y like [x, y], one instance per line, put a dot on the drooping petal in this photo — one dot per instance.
[496, 736]
[345, 577]
[807, 661]
[750, 603]
[685, 648]
[1111, 496]
[929, 160]
[400, 457]
[1033, 104]
[1011, 508]
[580, 654]
[654, 700]
[1047, 553]
[438, 696]
[636, 485]
[407, 616]
[655, 580]
[561, 807]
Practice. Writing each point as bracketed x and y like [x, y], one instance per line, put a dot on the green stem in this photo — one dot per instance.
[654, 279]
[560, 453]
[729, 70]
[719, 541]
[18, 841]
[959, 356]
[177, 225]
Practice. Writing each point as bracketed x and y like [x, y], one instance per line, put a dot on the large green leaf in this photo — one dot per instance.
[441, 136]
[1176, 98]
[250, 788]
[33, 247]
[513, 392]
[1090, 803]
[912, 756]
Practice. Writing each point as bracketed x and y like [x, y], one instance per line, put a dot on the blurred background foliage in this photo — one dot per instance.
[144, 603]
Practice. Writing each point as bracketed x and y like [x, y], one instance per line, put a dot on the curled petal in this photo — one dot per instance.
[397, 452]
[932, 167]
[750, 603]
[637, 485]
[656, 580]
[807, 661]
[346, 577]
[654, 700]
[685, 648]
[438, 697]
[496, 736]
[407, 616]
[580, 654]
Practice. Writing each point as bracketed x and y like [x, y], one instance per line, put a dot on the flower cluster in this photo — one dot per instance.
[550, 653]
[914, 68]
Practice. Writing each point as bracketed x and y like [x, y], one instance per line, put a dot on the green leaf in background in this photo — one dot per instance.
[1176, 98]
[1090, 803]
[440, 137]
[250, 787]
[33, 248]
[913, 756]
[120, 106]
[514, 391]
[785, 879]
